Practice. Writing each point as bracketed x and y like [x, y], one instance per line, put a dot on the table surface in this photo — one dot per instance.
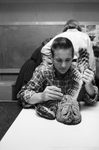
[31, 132]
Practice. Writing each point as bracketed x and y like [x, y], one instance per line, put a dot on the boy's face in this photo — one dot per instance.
[62, 60]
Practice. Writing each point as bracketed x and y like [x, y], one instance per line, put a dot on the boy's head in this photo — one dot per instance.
[72, 24]
[62, 54]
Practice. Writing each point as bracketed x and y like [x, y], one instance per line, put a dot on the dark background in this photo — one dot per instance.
[18, 42]
[22, 31]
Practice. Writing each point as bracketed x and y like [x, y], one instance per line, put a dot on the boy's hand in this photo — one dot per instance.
[88, 76]
[52, 93]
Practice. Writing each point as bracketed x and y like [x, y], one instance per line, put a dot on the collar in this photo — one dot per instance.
[72, 30]
[58, 75]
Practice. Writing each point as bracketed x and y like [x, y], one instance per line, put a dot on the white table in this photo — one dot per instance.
[31, 132]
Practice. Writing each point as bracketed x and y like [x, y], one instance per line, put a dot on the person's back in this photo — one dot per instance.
[79, 40]
[72, 31]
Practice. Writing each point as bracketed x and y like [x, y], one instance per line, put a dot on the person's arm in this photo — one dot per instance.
[47, 47]
[33, 92]
[91, 94]
[50, 93]
[46, 53]
[46, 50]
[29, 89]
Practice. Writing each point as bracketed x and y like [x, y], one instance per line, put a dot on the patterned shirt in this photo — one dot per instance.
[46, 76]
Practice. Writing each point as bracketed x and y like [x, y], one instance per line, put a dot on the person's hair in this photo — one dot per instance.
[62, 43]
[72, 24]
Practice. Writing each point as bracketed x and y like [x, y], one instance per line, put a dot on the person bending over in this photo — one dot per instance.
[72, 30]
[54, 89]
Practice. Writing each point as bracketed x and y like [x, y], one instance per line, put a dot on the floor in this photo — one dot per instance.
[8, 113]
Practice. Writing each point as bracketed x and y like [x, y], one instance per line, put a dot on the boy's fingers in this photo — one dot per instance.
[59, 94]
[54, 88]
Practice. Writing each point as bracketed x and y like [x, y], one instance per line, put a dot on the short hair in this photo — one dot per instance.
[61, 43]
[72, 24]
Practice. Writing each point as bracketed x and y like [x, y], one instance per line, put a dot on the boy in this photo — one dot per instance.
[53, 88]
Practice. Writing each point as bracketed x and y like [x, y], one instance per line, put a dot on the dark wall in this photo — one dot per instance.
[48, 11]
[21, 32]
[18, 42]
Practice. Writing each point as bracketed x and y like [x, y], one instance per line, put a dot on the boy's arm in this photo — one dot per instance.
[28, 90]
[88, 99]
[91, 94]
[37, 90]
